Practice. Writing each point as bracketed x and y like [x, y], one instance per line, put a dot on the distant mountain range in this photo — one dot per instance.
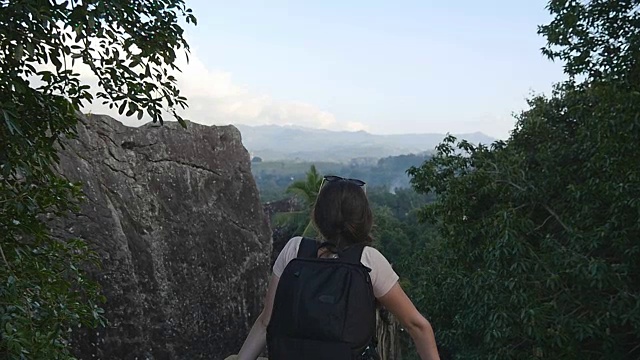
[293, 143]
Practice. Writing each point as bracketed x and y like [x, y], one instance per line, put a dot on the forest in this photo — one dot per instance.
[388, 174]
[522, 249]
[528, 248]
[397, 229]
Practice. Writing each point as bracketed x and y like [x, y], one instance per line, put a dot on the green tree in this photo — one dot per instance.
[306, 191]
[129, 47]
[538, 250]
[389, 235]
[397, 232]
[596, 39]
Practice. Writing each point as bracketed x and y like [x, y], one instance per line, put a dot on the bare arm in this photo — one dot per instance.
[257, 338]
[399, 304]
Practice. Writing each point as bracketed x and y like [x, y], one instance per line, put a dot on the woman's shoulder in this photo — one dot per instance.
[288, 252]
[374, 254]
[373, 258]
[383, 277]
[295, 240]
[292, 245]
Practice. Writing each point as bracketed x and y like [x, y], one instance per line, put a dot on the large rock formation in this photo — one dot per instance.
[175, 216]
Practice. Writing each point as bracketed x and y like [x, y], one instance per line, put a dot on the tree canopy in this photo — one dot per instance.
[537, 255]
[596, 39]
[131, 48]
[306, 191]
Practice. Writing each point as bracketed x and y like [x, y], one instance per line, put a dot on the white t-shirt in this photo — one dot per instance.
[382, 275]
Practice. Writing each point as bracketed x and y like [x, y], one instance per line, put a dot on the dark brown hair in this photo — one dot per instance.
[342, 214]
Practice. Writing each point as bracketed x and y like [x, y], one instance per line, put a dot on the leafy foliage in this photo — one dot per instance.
[128, 46]
[397, 232]
[599, 39]
[537, 254]
[306, 191]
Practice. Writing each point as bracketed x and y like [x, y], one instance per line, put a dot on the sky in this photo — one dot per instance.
[386, 67]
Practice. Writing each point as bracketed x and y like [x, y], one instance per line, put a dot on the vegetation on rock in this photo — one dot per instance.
[129, 47]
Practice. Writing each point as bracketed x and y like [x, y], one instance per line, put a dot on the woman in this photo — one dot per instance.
[343, 217]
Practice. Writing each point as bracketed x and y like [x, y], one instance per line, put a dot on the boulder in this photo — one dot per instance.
[176, 220]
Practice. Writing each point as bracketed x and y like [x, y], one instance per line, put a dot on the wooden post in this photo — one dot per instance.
[388, 333]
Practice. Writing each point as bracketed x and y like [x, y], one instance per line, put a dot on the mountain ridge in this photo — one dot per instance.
[293, 142]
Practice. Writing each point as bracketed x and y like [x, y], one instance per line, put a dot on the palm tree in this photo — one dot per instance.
[306, 191]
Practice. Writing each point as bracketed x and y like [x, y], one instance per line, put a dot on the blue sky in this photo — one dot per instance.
[382, 66]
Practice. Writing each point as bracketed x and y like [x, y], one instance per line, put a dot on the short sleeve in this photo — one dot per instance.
[383, 277]
[288, 253]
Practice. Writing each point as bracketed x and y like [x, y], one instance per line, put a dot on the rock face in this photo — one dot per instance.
[176, 219]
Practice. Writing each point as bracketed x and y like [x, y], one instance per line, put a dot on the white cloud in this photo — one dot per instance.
[214, 99]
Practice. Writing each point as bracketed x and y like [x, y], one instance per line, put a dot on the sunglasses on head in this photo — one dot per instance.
[332, 178]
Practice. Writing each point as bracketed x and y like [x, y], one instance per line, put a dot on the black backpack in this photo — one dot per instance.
[324, 308]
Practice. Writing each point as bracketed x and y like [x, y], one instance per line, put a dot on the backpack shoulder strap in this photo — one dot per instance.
[308, 248]
[352, 254]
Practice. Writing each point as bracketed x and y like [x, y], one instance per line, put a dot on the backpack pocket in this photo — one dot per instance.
[281, 348]
[321, 305]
